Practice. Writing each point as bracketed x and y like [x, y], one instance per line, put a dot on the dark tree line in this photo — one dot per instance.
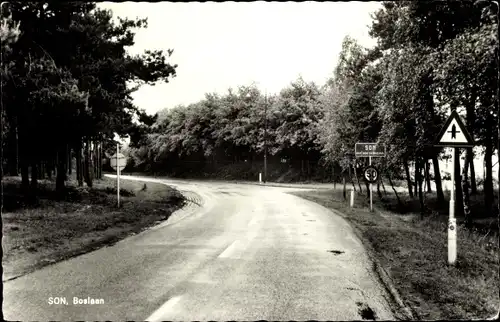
[64, 88]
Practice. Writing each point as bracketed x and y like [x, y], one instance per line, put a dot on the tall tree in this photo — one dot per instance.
[71, 74]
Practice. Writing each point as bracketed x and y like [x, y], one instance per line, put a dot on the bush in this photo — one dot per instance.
[123, 192]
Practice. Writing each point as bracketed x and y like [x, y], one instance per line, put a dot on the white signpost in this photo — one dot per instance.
[455, 135]
[371, 173]
[118, 162]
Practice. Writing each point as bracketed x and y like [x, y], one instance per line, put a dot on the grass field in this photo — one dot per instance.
[414, 254]
[53, 230]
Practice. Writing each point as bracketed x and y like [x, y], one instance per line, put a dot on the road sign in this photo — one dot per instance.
[118, 162]
[454, 133]
[369, 150]
[370, 174]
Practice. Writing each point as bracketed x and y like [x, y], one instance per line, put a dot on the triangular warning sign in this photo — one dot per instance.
[454, 133]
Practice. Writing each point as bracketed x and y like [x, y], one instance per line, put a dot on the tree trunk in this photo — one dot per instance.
[428, 176]
[419, 181]
[39, 172]
[383, 186]
[459, 196]
[17, 151]
[24, 162]
[465, 170]
[357, 178]
[394, 189]
[100, 160]
[88, 165]
[14, 152]
[352, 179]
[344, 191]
[437, 180]
[378, 189]
[308, 169]
[85, 162]
[465, 188]
[484, 172]
[94, 157]
[96, 160]
[488, 180]
[470, 160]
[25, 178]
[471, 119]
[415, 176]
[62, 162]
[34, 178]
[408, 178]
[91, 163]
[48, 168]
[82, 162]
[333, 178]
[79, 172]
[70, 161]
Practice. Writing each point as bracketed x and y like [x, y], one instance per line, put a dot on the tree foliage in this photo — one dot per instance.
[431, 57]
[66, 84]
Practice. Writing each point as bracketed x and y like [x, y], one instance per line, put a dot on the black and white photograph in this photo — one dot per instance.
[250, 161]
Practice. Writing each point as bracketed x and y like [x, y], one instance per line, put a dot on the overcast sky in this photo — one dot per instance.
[222, 45]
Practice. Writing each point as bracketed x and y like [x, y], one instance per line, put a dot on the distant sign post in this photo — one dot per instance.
[118, 161]
[370, 150]
[453, 134]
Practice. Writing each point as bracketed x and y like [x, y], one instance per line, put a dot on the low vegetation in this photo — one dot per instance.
[52, 230]
[414, 254]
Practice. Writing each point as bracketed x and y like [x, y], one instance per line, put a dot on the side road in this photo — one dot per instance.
[303, 185]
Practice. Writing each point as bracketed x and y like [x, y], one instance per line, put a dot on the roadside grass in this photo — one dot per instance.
[53, 230]
[414, 254]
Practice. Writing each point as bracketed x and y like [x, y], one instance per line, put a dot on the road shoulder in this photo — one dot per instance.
[56, 230]
[410, 257]
[393, 297]
[400, 310]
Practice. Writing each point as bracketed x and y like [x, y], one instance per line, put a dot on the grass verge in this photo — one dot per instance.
[414, 254]
[54, 230]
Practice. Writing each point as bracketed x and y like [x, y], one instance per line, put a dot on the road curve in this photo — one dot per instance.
[246, 253]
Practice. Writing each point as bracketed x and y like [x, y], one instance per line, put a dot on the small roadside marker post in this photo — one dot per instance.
[370, 173]
[117, 175]
[455, 135]
[371, 186]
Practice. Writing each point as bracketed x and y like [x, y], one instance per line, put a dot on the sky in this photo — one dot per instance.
[222, 45]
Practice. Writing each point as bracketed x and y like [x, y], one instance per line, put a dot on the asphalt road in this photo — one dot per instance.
[247, 253]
